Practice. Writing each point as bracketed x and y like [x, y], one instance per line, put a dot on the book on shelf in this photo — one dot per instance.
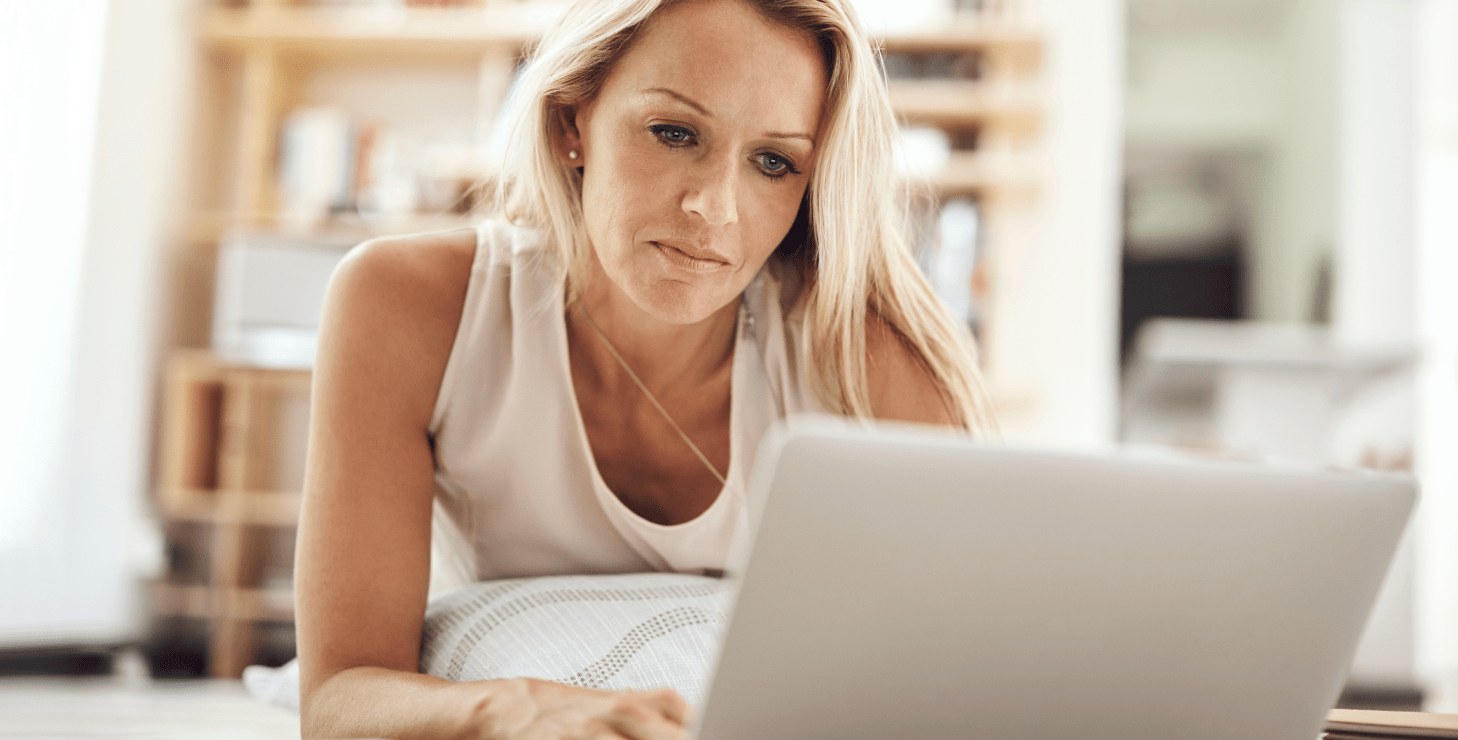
[317, 170]
[946, 238]
[957, 259]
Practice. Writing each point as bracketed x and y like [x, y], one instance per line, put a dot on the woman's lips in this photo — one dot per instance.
[683, 259]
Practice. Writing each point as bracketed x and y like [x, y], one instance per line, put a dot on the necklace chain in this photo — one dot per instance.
[624, 363]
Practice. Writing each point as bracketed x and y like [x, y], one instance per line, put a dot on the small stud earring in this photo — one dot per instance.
[572, 154]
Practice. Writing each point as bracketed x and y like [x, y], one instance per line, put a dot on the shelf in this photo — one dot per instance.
[203, 364]
[182, 601]
[472, 30]
[1014, 107]
[963, 33]
[417, 31]
[986, 177]
[209, 227]
[269, 508]
[204, 602]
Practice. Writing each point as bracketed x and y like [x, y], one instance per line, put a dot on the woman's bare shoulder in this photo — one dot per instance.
[419, 271]
[392, 312]
[902, 388]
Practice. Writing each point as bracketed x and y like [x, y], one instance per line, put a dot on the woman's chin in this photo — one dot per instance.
[680, 303]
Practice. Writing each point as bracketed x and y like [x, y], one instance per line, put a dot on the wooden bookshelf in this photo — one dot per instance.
[229, 472]
[220, 456]
[222, 466]
[204, 602]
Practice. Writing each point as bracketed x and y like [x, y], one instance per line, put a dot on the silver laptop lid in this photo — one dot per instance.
[913, 585]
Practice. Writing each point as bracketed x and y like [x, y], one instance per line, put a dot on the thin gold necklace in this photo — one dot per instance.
[624, 363]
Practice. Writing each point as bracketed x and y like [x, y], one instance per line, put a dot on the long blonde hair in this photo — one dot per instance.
[852, 251]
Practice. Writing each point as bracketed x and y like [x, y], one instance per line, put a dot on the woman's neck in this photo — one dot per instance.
[660, 352]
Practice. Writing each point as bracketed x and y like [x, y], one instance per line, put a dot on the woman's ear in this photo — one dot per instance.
[569, 137]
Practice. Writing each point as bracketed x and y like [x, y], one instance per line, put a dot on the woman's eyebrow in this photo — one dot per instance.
[681, 98]
[704, 112]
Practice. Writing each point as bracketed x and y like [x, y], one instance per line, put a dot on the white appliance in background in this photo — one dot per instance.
[270, 294]
[1274, 390]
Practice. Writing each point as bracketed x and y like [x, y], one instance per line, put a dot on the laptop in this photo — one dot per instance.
[913, 585]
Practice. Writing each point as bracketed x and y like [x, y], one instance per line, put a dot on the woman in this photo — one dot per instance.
[699, 237]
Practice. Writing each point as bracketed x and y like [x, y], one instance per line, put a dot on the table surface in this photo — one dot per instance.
[114, 707]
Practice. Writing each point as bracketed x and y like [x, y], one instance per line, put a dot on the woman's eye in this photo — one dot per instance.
[672, 135]
[774, 165]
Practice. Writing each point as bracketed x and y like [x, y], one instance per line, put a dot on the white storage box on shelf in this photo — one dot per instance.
[269, 297]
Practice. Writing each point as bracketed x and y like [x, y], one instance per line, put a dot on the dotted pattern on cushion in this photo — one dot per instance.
[633, 631]
[600, 673]
[450, 614]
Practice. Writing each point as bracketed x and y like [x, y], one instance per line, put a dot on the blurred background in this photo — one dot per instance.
[1228, 227]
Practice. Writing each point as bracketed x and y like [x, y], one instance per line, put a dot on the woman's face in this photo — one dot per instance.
[696, 154]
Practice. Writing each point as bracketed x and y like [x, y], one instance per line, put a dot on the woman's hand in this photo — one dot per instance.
[532, 709]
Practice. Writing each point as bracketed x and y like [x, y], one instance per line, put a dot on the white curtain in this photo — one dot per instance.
[50, 79]
[92, 126]
[1437, 303]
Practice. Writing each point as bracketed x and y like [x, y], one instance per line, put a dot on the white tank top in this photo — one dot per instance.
[517, 490]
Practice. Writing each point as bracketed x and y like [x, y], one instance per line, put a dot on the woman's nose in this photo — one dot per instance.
[712, 194]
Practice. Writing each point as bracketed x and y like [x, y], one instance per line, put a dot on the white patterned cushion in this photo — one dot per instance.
[633, 631]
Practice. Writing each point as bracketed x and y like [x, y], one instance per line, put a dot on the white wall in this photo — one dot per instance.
[1213, 91]
[1374, 259]
[1300, 227]
[1377, 213]
[1398, 267]
[1055, 348]
[1437, 328]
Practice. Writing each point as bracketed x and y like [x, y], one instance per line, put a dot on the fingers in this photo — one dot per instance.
[536, 709]
[635, 726]
[649, 715]
[669, 702]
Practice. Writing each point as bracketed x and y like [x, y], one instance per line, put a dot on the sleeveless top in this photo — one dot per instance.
[517, 491]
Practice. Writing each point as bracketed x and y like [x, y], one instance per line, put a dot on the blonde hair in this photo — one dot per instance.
[852, 254]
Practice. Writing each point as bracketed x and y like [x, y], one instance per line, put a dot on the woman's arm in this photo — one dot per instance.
[901, 387]
[363, 561]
